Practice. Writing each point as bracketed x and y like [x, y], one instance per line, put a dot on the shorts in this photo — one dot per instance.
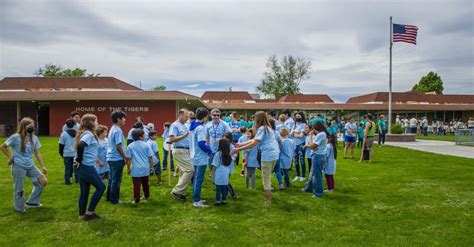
[368, 143]
[350, 139]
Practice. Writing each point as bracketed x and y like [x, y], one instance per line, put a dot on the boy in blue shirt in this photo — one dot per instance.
[67, 152]
[140, 158]
[156, 155]
[287, 148]
[116, 156]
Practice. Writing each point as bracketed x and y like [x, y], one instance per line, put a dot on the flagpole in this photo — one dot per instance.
[390, 81]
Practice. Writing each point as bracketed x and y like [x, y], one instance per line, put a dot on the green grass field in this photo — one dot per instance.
[404, 198]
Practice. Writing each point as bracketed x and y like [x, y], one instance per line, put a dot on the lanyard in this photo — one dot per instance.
[215, 128]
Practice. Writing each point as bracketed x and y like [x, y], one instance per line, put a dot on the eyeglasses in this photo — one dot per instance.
[216, 115]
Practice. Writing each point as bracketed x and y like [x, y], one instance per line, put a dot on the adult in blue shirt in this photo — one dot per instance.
[317, 143]
[179, 138]
[24, 144]
[199, 152]
[215, 130]
[289, 122]
[77, 118]
[297, 134]
[116, 156]
[86, 144]
[270, 151]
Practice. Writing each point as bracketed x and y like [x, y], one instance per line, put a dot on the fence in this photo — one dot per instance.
[464, 137]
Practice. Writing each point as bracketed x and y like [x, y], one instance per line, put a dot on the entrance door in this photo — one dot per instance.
[43, 118]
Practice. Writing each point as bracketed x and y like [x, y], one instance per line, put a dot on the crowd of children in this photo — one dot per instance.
[92, 154]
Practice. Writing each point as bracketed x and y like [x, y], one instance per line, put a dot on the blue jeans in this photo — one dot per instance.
[157, 169]
[277, 171]
[115, 180]
[68, 169]
[88, 176]
[199, 172]
[299, 161]
[165, 160]
[425, 131]
[286, 175]
[221, 193]
[318, 164]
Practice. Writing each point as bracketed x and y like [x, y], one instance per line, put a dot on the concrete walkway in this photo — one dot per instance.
[437, 147]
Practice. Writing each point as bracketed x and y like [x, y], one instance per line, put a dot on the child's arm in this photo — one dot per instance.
[129, 161]
[7, 153]
[150, 160]
[101, 164]
[61, 149]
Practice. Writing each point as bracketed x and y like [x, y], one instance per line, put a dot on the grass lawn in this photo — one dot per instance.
[404, 198]
[448, 138]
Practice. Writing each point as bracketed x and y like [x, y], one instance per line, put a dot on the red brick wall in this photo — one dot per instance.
[158, 112]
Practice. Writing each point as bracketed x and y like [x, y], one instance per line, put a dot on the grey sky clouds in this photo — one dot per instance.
[195, 46]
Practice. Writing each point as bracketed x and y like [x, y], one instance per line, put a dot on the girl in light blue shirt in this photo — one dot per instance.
[287, 149]
[102, 166]
[221, 171]
[251, 162]
[330, 168]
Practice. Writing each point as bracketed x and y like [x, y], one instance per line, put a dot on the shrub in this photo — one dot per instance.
[396, 129]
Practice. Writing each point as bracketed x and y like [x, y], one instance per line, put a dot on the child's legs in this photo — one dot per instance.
[68, 170]
[247, 177]
[136, 188]
[95, 180]
[297, 161]
[252, 175]
[224, 193]
[230, 189]
[286, 173]
[218, 193]
[146, 186]
[309, 166]
[157, 169]
[277, 171]
[19, 175]
[34, 174]
[318, 163]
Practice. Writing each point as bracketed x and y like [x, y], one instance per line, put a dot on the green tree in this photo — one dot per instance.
[54, 70]
[431, 82]
[282, 78]
[159, 88]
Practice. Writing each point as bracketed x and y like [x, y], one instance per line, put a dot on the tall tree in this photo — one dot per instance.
[285, 77]
[54, 70]
[431, 82]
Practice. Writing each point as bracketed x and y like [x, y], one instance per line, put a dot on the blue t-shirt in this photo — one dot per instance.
[299, 126]
[139, 152]
[352, 127]
[215, 131]
[75, 127]
[222, 173]
[330, 167]
[243, 123]
[154, 149]
[243, 139]
[287, 149]
[91, 150]
[198, 156]
[382, 125]
[178, 129]
[130, 137]
[252, 159]
[320, 140]
[115, 137]
[268, 144]
[19, 158]
[289, 123]
[277, 137]
[68, 142]
[102, 155]
[235, 128]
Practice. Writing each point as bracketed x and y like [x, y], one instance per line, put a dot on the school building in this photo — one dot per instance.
[49, 101]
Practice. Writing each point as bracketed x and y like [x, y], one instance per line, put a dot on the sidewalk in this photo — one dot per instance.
[437, 147]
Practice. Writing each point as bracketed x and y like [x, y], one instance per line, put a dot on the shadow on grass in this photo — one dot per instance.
[36, 215]
[105, 227]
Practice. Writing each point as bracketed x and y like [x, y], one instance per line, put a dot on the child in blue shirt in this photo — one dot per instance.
[242, 139]
[221, 171]
[140, 157]
[67, 152]
[102, 166]
[228, 136]
[156, 155]
[251, 161]
[287, 148]
[330, 168]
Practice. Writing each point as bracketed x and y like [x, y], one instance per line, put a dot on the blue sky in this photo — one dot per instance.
[193, 46]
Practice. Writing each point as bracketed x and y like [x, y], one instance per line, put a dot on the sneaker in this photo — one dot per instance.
[315, 196]
[302, 178]
[199, 204]
[296, 179]
[175, 174]
[282, 187]
[224, 202]
[328, 191]
[179, 196]
[242, 173]
[93, 216]
[135, 202]
[33, 205]
[217, 203]
[203, 201]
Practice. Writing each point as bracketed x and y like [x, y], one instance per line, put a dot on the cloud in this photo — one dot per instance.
[222, 44]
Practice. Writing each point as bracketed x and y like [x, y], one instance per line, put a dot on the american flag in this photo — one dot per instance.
[404, 33]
